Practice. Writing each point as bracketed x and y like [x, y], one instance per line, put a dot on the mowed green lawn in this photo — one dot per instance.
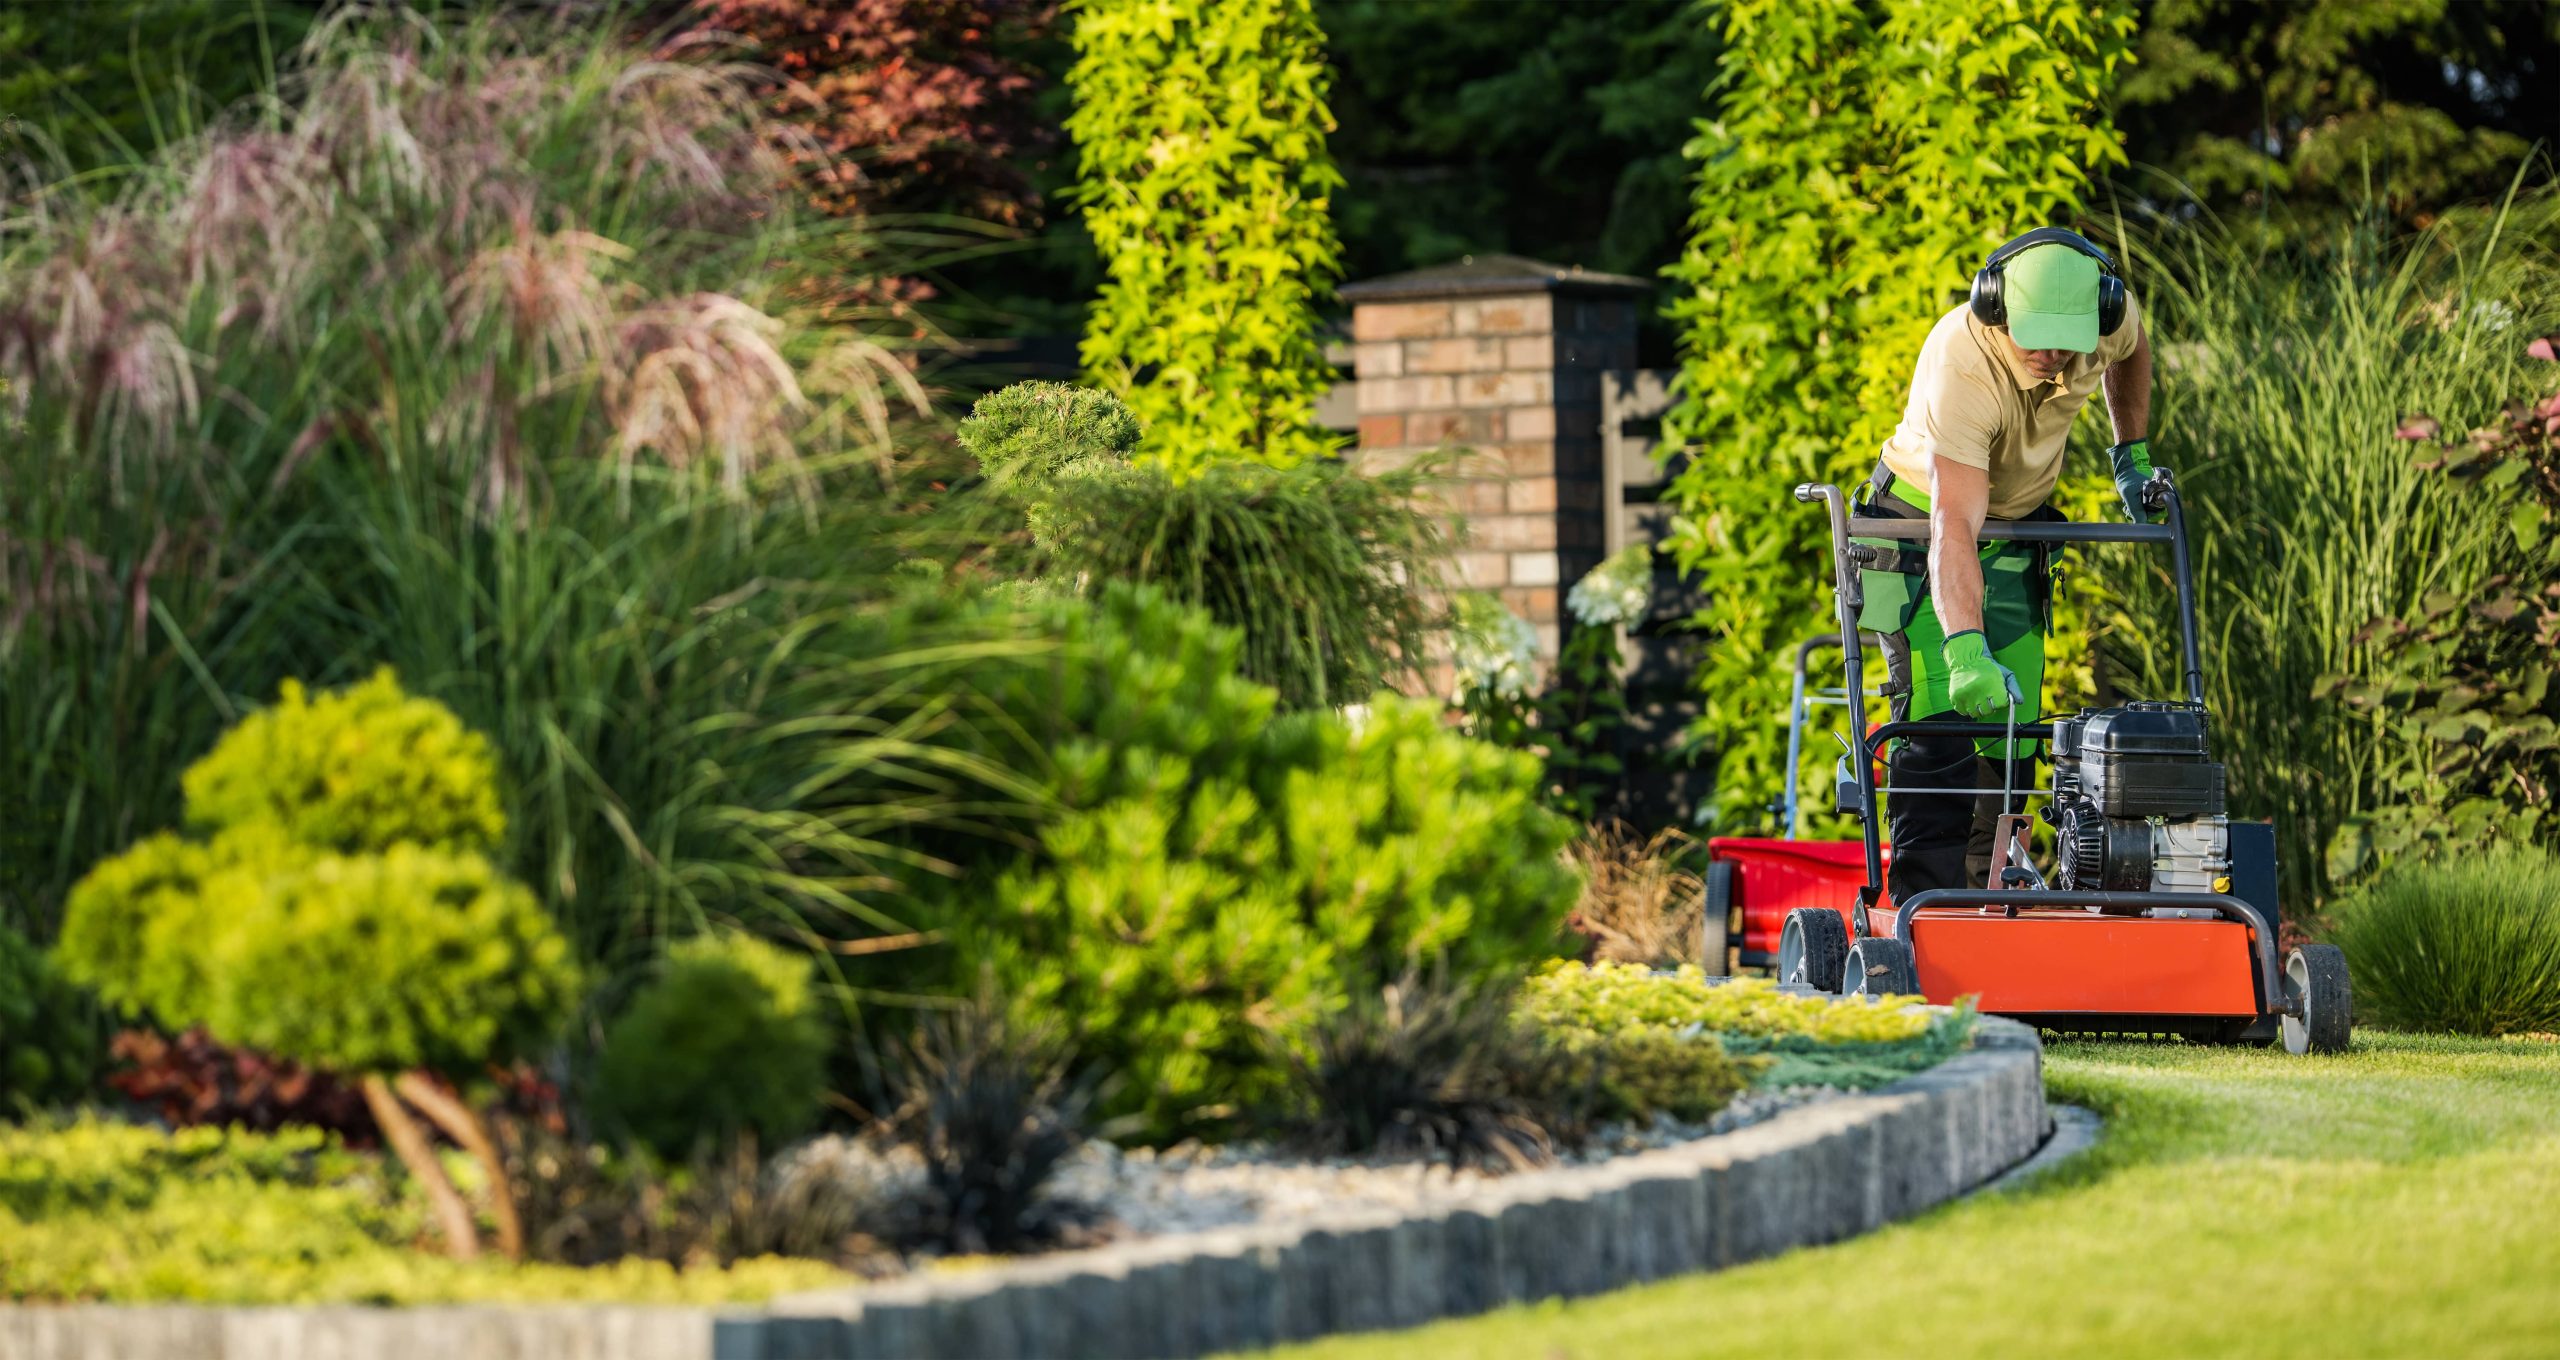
[2402, 1199]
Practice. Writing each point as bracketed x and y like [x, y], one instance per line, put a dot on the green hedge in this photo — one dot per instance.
[1862, 158]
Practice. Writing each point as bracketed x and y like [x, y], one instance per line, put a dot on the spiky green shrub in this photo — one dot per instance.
[356, 769]
[1204, 179]
[49, 1035]
[1430, 1068]
[1862, 159]
[1328, 573]
[1181, 924]
[2467, 943]
[724, 1039]
[401, 955]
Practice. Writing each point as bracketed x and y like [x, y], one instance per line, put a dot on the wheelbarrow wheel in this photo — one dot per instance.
[2315, 984]
[1879, 966]
[1812, 947]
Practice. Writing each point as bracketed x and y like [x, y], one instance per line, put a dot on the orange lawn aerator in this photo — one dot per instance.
[2159, 914]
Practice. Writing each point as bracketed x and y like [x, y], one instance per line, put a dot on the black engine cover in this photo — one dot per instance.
[2141, 760]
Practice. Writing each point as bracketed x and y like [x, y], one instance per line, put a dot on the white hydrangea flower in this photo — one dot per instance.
[1495, 650]
[1616, 592]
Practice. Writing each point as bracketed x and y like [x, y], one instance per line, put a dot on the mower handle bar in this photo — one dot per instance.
[2270, 990]
[1849, 597]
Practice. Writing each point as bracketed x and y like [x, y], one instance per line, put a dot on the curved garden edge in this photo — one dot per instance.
[1811, 1175]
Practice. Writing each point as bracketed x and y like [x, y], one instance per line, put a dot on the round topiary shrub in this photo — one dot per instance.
[725, 1040]
[1035, 432]
[48, 1030]
[413, 958]
[2469, 945]
[349, 770]
[137, 928]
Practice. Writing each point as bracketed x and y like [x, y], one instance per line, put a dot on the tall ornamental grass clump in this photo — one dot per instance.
[2465, 943]
[2284, 377]
[1327, 573]
[473, 359]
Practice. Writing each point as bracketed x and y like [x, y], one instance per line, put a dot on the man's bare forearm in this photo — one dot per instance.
[2128, 383]
[1959, 496]
[1955, 572]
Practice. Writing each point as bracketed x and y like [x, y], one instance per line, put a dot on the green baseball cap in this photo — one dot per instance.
[2051, 294]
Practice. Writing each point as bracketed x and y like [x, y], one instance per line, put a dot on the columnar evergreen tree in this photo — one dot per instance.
[1206, 185]
[1866, 155]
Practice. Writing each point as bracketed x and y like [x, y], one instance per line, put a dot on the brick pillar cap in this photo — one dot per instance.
[1472, 275]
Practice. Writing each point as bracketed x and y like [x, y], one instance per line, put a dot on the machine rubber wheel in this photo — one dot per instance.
[2315, 979]
[1715, 922]
[1812, 945]
[1880, 966]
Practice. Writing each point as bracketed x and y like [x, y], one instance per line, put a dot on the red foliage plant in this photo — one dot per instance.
[903, 106]
[192, 1080]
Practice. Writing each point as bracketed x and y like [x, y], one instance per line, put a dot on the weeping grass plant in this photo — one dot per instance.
[471, 357]
[2283, 376]
[2468, 944]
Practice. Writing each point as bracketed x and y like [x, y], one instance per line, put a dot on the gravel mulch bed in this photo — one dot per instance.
[1143, 1192]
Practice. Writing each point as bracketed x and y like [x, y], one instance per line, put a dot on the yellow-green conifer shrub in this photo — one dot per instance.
[414, 958]
[726, 1039]
[1864, 157]
[353, 769]
[341, 914]
[137, 929]
[1199, 132]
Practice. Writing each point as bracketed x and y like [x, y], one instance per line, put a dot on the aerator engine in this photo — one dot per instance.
[2138, 801]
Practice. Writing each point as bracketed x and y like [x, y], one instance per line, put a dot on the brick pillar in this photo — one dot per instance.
[1504, 357]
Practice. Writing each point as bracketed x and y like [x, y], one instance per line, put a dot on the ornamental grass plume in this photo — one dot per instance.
[472, 354]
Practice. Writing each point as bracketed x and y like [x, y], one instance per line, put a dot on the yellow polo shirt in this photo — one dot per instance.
[1972, 403]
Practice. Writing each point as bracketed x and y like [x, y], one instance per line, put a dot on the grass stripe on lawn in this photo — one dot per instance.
[2400, 1199]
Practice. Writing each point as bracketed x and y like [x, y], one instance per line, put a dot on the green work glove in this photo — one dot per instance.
[1979, 686]
[2132, 460]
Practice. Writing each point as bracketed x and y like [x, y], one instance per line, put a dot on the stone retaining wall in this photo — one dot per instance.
[1814, 1174]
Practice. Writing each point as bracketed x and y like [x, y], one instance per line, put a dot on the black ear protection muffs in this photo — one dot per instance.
[1991, 311]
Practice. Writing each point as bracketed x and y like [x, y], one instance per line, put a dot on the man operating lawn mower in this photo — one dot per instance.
[1992, 400]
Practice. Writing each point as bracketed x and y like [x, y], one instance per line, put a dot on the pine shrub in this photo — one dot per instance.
[2468, 943]
[725, 1040]
[1183, 923]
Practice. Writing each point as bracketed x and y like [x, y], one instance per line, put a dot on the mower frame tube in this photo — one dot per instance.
[2270, 975]
[1849, 598]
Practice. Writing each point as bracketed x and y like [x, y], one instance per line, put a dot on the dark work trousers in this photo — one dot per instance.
[1942, 840]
